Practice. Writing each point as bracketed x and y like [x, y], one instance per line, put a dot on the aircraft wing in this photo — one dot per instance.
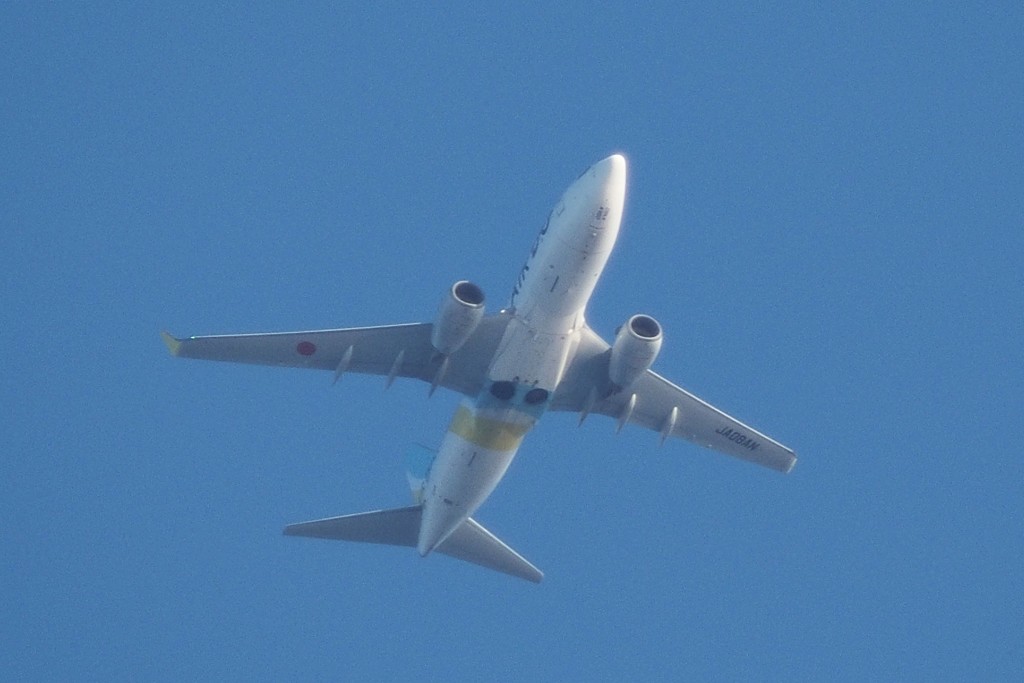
[658, 404]
[391, 351]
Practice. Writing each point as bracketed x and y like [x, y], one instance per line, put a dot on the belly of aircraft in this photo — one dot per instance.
[481, 442]
[531, 356]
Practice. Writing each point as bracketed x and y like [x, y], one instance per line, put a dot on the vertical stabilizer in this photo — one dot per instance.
[418, 460]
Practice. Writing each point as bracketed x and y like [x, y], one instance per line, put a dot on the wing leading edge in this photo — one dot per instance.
[390, 350]
[658, 404]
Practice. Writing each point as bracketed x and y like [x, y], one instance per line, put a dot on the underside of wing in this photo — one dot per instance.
[664, 407]
[658, 404]
[390, 350]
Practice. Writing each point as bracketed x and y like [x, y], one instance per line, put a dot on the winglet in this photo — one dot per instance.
[173, 344]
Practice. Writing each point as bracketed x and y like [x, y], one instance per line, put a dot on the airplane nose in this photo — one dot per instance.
[609, 180]
[612, 165]
[611, 171]
[609, 175]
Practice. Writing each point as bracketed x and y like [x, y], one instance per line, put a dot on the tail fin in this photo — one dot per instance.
[401, 526]
[418, 461]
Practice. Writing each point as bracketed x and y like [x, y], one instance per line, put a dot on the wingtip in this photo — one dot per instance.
[173, 344]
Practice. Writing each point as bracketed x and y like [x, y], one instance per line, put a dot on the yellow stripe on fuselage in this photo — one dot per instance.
[495, 435]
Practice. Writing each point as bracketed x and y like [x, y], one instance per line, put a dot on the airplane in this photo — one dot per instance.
[536, 355]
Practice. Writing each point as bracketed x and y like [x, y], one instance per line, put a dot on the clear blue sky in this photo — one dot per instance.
[825, 211]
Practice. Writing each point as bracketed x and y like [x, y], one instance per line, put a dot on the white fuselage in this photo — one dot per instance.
[547, 314]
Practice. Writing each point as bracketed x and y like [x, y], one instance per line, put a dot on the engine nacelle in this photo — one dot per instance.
[637, 344]
[460, 313]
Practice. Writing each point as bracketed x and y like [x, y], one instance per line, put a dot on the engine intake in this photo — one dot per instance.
[459, 314]
[637, 344]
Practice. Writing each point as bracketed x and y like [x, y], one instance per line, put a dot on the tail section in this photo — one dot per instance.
[398, 526]
[401, 526]
[418, 461]
[473, 543]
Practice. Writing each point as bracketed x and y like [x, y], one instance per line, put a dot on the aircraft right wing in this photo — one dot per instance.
[390, 350]
[658, 404]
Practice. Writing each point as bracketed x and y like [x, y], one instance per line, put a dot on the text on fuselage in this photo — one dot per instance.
[526, 266]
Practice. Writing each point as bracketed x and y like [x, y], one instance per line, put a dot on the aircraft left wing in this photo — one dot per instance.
[658, 404]
[390, 350]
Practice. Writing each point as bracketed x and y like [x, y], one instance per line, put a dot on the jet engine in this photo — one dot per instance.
[636, 346]
[458, 316]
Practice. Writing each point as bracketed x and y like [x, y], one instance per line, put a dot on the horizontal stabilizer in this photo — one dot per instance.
[401, 526]
[473, 543]
[398, 526]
